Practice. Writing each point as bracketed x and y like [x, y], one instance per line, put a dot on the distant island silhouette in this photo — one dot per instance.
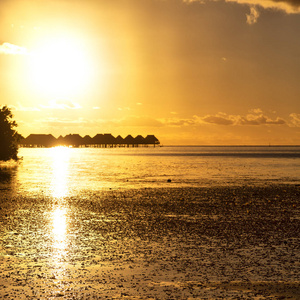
[105, 140]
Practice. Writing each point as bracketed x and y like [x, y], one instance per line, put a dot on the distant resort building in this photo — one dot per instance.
[98, 141]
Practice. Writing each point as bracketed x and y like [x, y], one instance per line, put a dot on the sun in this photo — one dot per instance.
[60, 67]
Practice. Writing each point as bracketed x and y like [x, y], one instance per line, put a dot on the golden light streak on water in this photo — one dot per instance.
[59, 189]
[60, 241]
[60, 170]
[59, 227]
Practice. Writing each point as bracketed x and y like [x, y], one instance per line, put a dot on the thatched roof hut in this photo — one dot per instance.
[74, 140]
[129, 140]
[39, 140]
[87, 140]
[151, 139]
[119, 140]
[98, 139]
[139, 140]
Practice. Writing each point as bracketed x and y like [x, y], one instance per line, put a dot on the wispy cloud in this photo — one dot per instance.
[61, 104]
[142, 121]
[124, 108]
[255, 110]
[61, 122]
[178, 122]
[288, 6]
[249, 119]
[11, 49]
[259, 120]
[219, 120]
[256, 118]
[20, 107]
[192, 1]
[295, 119]
[253, 16]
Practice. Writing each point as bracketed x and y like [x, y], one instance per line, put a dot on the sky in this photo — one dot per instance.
[191, 72]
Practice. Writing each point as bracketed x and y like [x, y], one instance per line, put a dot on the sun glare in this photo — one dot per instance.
[60, 165]
[60, 67]
[60, 240]
[59, 226]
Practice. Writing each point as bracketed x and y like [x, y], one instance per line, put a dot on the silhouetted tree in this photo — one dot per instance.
[9, 137]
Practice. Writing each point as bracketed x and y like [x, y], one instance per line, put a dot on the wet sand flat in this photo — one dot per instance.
[154, 243]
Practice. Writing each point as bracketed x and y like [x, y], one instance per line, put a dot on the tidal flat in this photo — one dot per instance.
[152, 243]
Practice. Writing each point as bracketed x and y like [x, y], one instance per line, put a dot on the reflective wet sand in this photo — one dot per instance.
[153, 243]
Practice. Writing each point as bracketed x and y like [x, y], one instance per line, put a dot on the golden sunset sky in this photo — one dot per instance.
[190, 72]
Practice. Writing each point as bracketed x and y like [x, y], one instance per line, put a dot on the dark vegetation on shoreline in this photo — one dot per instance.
[9, 137]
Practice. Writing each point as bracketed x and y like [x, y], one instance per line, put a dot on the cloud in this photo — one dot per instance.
[295, 119]
[177, 122]
[20, 107]
[255, 110]
[253, 16]
[58, 122]
[219, 120]
[192, 1]
[250, 119]
[130, 121]
[256, 118]
[138, 122]
[61, 104]
[259, 120]
[288, 6]
[123, 108]
[10, 49]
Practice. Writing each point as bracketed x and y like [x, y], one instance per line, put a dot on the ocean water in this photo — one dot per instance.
[65, 171]
[78, 223]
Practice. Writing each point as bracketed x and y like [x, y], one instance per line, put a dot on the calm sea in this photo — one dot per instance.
[64, 171]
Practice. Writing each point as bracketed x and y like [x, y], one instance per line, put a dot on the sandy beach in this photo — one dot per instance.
[153, 243]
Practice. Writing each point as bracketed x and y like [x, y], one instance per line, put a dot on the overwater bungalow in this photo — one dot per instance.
[73, 140]
[87, 140]
[106, 140]
[38, 141]
[129, 140]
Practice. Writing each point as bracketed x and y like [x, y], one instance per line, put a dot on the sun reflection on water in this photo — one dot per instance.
[59, 242]
[59, 215]
[59, 227]
[60, 170]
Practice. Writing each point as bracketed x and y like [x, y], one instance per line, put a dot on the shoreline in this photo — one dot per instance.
[153, 243]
